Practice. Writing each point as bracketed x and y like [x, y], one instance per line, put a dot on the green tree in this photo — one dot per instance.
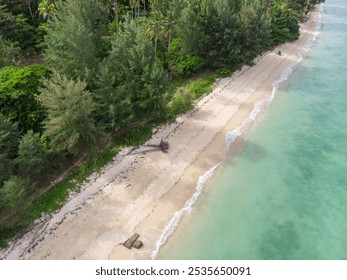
[9, 53]
[31, 156]
[132, 82]
[284, 22]
[9, 140]
[69, 105]
[47, 9]
[74, 39]
[156, 28]
[18, 92]
[27, 8]
[16, 29]
[163, 20]
[16, 198]
[208, 29]
[254, 30]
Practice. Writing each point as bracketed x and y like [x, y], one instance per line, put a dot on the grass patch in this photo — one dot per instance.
[201, 86]
[185, 92]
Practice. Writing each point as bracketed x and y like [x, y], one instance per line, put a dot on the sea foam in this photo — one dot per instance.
[172, 225]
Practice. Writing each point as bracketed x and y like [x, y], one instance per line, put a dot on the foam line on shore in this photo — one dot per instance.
[172, 225]
[260, 105]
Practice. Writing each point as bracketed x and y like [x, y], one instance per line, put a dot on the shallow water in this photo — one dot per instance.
[284, 196]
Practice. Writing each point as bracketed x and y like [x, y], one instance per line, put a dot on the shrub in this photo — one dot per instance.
[181, 62]
[18, 92]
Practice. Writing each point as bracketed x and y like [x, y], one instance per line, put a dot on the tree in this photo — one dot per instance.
[27, 8]
[254, 30]
[208, 29]
[69, 105]
[132, 82]
[9, 139]
[74, 39]
[284, 22]
[156, 28]
[163, 19]
[9, 53]
[16, 29]
[47, 9]
[18, 92]
[31, 156]
[16, 196]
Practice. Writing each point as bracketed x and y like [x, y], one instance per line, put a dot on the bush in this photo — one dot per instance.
[181, 62]
[18, 92]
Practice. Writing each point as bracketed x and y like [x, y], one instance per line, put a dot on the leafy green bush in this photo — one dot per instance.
[181, 62]
[18, 92]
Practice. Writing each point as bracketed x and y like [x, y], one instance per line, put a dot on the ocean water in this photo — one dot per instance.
[284, 196]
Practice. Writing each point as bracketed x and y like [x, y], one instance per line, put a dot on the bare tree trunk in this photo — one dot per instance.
[115, 7]
[170, 36]
[31, 14]
[138, 8]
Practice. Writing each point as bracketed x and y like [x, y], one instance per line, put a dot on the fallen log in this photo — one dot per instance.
[129, 243]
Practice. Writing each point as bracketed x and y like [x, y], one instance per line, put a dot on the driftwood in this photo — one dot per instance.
[129, 243]
[163, 146]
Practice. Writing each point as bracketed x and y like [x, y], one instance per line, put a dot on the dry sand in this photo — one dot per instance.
[141, 192]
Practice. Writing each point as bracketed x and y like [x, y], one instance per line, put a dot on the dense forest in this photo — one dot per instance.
[81, 78]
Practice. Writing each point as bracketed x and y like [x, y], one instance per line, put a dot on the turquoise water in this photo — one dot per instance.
[285, 195]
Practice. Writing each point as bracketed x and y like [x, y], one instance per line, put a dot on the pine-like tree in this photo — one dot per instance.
[31, 156]
[254, 29]
[132, 82]
[70, 124]
[16, 198]
[74, 39]
[208, 29]
[9, 139]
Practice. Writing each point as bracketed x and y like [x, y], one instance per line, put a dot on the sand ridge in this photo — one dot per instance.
[140, 192]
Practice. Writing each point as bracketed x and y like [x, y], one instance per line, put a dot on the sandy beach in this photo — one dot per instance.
[142, 192]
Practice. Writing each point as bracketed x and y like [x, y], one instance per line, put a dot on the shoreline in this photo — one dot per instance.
[141, 192]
